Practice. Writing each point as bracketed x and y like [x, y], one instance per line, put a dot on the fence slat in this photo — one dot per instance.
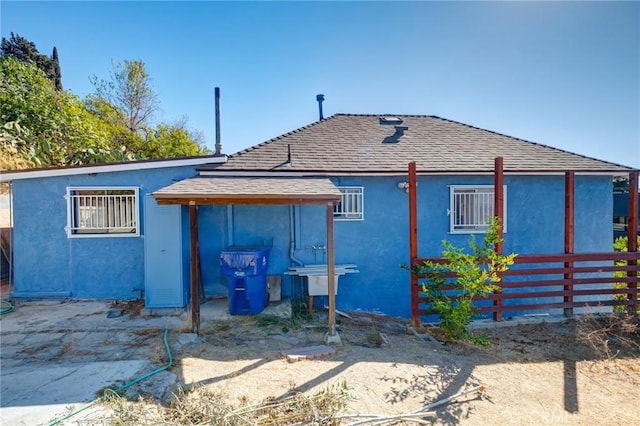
[584, 277]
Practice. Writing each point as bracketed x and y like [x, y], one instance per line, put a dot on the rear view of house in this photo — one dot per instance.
[116, 231]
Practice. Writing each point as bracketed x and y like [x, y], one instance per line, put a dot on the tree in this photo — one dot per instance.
[56, 68]
[45, 127]
[25, 51]
[172, 141]
[126, 103]
[129, 90]
[42, 126]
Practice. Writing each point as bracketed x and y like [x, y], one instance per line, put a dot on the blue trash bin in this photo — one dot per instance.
[246, 270]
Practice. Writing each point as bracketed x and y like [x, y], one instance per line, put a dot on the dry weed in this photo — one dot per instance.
[202, 406]
[132, 307]
[609, 335]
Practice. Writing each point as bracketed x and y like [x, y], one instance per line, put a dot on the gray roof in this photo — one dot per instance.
[249, 190]
[353, 143]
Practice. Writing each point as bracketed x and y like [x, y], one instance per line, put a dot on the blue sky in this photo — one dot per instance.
[561, 74]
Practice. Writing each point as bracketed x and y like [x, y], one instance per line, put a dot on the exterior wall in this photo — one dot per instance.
[47, 263]
[379, 243]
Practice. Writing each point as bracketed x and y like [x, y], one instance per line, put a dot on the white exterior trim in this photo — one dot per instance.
[108, 168]
[391, 174]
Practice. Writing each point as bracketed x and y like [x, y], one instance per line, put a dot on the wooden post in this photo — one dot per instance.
[632, 239]
[498, 209]
[331, 271]
[195, 287]
[413, 243]
[569, 214]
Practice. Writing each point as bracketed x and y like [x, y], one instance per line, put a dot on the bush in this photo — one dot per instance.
[620, 244]
[476, 273]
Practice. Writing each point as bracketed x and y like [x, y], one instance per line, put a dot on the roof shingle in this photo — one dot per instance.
[361, 143]
[219, 190]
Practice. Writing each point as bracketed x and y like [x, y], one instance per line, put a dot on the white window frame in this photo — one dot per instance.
[353, 199]
[111, 229]
[487, 211]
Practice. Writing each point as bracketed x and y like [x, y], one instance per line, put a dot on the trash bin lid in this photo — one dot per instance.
[240, 257]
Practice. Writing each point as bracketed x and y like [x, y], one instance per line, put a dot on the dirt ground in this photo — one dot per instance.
[532, 374]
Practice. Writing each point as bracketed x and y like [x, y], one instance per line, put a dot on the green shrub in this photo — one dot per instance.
[476, 271]
[620, 244]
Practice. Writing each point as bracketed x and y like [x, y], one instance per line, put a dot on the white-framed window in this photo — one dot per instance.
[471, 208]
[351, 205]
[103, 212]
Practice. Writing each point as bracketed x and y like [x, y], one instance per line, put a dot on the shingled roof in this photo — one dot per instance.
[385, 144]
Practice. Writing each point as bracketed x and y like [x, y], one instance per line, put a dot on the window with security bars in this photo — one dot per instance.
[102, 212]
[351, 205]
[471, 208]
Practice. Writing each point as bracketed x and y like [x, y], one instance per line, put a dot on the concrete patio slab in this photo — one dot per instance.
[56, 354]
[35, 394]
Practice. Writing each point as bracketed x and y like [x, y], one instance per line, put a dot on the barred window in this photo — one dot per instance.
[471, 208]
[102, 212]
[351, 205]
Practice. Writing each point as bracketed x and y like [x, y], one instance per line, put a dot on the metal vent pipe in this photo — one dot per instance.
[320, 99]
[218, 142]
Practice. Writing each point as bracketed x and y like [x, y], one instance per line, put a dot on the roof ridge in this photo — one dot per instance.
[386, 115]
[529, 142]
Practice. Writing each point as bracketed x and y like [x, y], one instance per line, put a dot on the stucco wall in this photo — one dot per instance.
[49, 262]
[379, 243]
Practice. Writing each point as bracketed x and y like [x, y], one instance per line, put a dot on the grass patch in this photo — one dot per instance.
[275, 323]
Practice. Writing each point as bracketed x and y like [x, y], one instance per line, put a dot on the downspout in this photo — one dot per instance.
[12, 284]
[292, 237]
[230, 224]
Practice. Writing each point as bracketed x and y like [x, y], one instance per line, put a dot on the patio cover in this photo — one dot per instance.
[253, 190]
[249, 190]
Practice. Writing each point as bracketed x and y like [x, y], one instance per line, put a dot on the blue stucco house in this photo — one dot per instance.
[110, 231]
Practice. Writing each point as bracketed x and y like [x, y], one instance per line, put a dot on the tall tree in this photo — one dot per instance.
[129, 90]
[46, 127]
[26, 51]
[56, 69]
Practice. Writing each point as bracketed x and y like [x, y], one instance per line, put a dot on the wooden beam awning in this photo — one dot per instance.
[249, 190]
[253, 190]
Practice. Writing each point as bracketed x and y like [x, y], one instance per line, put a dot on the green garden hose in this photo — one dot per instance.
[121, 388]
[6, 307]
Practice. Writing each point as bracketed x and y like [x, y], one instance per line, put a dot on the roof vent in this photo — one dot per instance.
[390, 120]
[320, 99]
[218, 143]
[395, 138]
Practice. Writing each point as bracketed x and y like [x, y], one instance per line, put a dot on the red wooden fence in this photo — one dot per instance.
[537, 282]
[547, 281]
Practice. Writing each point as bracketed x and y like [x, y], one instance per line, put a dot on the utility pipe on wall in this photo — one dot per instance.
[230, 224]
[292, 238]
